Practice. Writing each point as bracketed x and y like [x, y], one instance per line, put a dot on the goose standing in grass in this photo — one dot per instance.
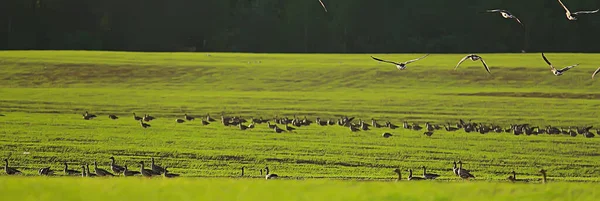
[474, 57]
[135, 117]
[88, 173]
[269, 175]
[148, 118]
[127, 172]
[189, 118]
[557, 72]
[101, 172]
[208, 118]
[169, 175]
[289, 128]
[113, 117]
[543, 175]
[322, 4]
[411, 178]
[400, 66]
[9, 170]
[45, 171]
[505, 14]
[428, 133]
[241, 175]
[179, 120]
[70, 172]
[157, 170]
[397, 171]
[595, 72]
[204, 123]
[114, 167]
[386, 135]
[462, 173]
[145, 172]
[571, 16]
[83, 174]
[144, 125]
[455, 169]
[429, 175]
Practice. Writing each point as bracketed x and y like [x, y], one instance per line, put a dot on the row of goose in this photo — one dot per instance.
[516, 129]
[99, 172]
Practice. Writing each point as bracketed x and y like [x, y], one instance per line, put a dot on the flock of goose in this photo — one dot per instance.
[156, 170]
[292, 124]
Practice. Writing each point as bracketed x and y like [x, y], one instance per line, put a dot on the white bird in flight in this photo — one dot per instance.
[570, 15]
[474, 57]
[558, 72]
[322, 4]
[505, 14]
[595, 72]
[400, 66]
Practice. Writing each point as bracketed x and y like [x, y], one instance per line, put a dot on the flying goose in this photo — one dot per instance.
[429, 176]
[411, 178]
[556, 71]
[505, 14]
[45, 171]
[269, 175]
[155, 168]
[144, 125]
[474, 57]
[169, 175]
[400, 66]
[145, 172]
[570, 15]
[113, 117]
[114, 167]
[9, 170]
[101, 172]
[70, 172]
[322, 4]
[595, 72]
[127, 172]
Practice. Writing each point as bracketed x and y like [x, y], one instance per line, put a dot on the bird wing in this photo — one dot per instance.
[586, 12]
[563, 5]
[385, 61]
[595, 72]
[417, 59]
[548, 62]
[567, 68]
[322, 4]
[485, 65]
[495, 11]
[462, 60]
[519, 21]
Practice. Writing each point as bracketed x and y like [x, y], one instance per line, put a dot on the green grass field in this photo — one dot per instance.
[44, 93]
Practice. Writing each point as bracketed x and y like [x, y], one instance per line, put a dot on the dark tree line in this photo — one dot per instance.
[297, 25]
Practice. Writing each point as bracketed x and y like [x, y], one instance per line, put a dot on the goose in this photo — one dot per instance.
[169, 175]
[271, 126]
[251, 125]
[390, 125]
[571, 16]
[145, 172]
[278, 130]
[87, 115]
[101, 172]
[429, 176]
[114, 167]
[243, 127]
[269, 175]
[411, 178]
[474, 57]
[83, 171]
[113, 117]
[289, 128]
[9, 170]
[189, 118]
[45, 171]
[148, 118]
[127, 172]
[462, 173]
[400, 66]
[144, 125]
[208, 118]
[595, 72]
[70, 172]
[322, 4]
[428, 133]
[135, 117]
[397, 171]
[155, 168]
[429, 127]
[513, 177]
[375, 124]
[386, 135]
[241, 175]
[449, 128]
[543, 175]
[88, 173]
[179, 120]
[557, 72]
[353, 129]
[204, 123]
[505, 14]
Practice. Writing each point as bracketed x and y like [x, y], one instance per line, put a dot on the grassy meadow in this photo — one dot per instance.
[44, 93]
